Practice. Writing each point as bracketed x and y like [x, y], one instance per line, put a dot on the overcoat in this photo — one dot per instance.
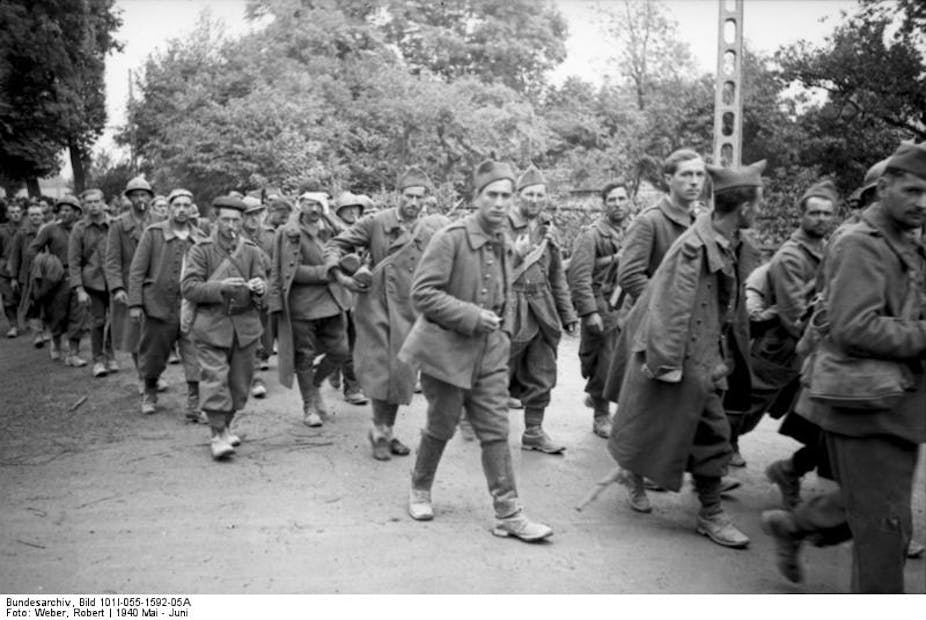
[86, 253]
[590, 284]
[122, 240]
[287, 259]
[451, 287]
[154, 276]
[384, 314]
[690, 326]
[20, 256]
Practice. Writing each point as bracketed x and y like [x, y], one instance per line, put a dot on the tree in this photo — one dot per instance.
[51, 82]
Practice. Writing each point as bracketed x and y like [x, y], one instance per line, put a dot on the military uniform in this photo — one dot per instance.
[539, 307]
[154, 287]
[10, 296]
[124, 233]
[226, 327]
[86, 254]
[19, 266]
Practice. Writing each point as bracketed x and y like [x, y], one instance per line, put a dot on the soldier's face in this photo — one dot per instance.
[532, 200]
[411, 201]
[310, 210]
[159, 207]
[181, 209]
[494, 201]
[252, 221]
[350, 213]
[93, 203]
[904, 199]
[140, 199]
[686, 183]
[228, 223]
[817, 216]
[617, 205]
[14, 213]
[48, 214]
[278, 217]
[67, 213]
[749, 211]
[35, 215]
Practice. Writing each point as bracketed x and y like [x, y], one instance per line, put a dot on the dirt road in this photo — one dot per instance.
[100, 499]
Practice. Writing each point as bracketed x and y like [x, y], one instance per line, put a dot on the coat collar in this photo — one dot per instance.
[518, 221]
[476, 236]
[680, 217]
[814, 247]
[715, 244]
[128, 220]
[899, 240]
[606, 228]
[169, 233]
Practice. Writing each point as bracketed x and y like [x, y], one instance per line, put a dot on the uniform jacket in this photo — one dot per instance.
[154, 276]
[263, 239]
[540, 302]
[53, 237]
[384, 314]
[870, 270]
[792, 275]
[451, 286]
[287, 261]
[86, 254]
[20, 257]
[690, 327]
[590, 285]
[222, 318]
[124, 234]
[8, 231]
[648, 239]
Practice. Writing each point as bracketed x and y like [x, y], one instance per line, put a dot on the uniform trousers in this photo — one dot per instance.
[486, 407]
[156, 344]
[101, 342]
[63, 314]
[226, 374]
[532, 373]
[325, 336]
[10, 300]
[872, 506]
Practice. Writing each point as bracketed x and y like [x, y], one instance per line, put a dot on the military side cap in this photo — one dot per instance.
[413, 177]
[70, 201]
[871, 177]
[726, 179]
[177, 193]
[137, 183]
[490, 171]
[229, 202]
[252, 205]
[280, 204]
[823, 189]
[531, 176]
[909, 158]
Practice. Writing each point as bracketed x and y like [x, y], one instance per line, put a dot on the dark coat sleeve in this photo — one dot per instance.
[790, 290]
[579, 274]
[141, 262]
[429, 289]
[75, 255]
[195, 286]
[112, 264]
[357, 235]
[635, 257]
[275, 287]
[560, 288]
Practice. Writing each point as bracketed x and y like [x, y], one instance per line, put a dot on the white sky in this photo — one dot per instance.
[148, 24]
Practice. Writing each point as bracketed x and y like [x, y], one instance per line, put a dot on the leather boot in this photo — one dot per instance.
[499, 473]
[379, 440]
[192, 402]
[430, 451]
[311, 416]
[602, 422]
[534, 437]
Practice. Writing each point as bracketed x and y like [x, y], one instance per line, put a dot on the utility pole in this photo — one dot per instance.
[728, 83]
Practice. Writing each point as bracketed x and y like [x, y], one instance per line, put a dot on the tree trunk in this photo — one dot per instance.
[77, 166]
[32, 187]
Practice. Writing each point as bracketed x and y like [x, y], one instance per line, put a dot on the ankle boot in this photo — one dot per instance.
[310, 413]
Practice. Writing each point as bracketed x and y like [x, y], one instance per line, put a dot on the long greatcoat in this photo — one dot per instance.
[121, 243]
[676, 328]
[384, 314]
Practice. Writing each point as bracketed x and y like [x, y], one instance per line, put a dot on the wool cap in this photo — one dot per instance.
[531, 176]
[413, 177]
[229, 202]
[138, 183]
[726, 179]
[490, 171]
[89, 191]
[824, 189]
[177, 193]
[70, 201]
[909, 158]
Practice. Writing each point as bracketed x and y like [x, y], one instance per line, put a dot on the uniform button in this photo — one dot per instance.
[484, 291]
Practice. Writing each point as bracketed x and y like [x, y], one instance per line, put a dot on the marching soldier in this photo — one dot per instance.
[224, 279]
[539, 309]
[8, 291]
[20, 266]
[254, 229]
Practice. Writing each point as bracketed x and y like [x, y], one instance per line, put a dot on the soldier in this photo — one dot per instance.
[154, 301]
[395, 239]
[687, 333]
[254, 230]
[873, 276]
[309, 306]
[462, 347]
[8, 292]
[60, 306]
[539, 309]
[19, 266]
[348, 210]
[159, 207]
[224, 278]
[86, 254]
[592, 277]
[124, 234]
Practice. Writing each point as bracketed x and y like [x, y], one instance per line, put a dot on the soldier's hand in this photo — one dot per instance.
[488, 322]
[120, 297]
[82, 297]
[257, 286]
[230, 285]
[593, 323]
[349, 282]
[523, 245]
[135, 314]
[571, 328]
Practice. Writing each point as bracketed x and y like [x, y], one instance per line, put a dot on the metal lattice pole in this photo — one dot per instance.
[728, 91]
